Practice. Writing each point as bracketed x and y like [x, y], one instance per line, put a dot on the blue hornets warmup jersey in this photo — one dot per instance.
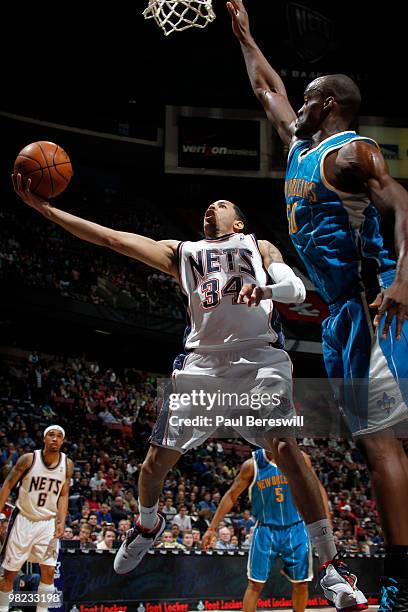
[272, 502]
[336, 234]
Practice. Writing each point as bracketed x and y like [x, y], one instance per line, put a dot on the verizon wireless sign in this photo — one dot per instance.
[218, 142]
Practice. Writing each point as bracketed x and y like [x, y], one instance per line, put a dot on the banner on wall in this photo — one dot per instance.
[169, 581]
[221, 142]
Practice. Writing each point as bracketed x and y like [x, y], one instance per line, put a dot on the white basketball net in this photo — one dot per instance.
[177, 15]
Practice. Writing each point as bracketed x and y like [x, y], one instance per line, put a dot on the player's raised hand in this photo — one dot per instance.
[240, 21]
[392, 302]
[251, 294]
[23, 191]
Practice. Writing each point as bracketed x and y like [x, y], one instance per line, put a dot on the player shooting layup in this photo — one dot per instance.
[38, 520]
[228, 343]
[337, 184]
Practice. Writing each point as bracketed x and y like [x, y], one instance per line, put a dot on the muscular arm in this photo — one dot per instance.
[287, 288]
[161, 255]
[63, 502]
[241, 482]
[266, 83]
[23, 464]
[364, 162]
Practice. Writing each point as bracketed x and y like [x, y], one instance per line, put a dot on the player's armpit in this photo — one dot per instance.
[161, 254]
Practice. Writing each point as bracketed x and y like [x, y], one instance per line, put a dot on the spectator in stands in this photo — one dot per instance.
[167, 540]
[93, 522]
[108, 539]
[234, 542]
[246, 543]
[68, 533]
[246, 521]
[103, 515]
[97, 482]
[349, 516]
[197, 538]
[206, 503]
[84, 514]
[176, 533]
[130, 503]
[182, 520]
[188, 541]
[118, 511]
[203, 521]
[169, 510]
[84, 536]
[131, 468]
[123, 526]
[224, 539]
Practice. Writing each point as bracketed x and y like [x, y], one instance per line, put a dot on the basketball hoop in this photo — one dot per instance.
[177, 15]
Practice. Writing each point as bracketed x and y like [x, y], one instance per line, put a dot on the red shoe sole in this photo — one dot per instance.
[362, 606]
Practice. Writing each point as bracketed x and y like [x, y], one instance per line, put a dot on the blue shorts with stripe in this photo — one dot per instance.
[290, 543]
[369, 374]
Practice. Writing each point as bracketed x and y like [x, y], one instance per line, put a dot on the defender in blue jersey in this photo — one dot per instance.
[337, 186]
[279, 531]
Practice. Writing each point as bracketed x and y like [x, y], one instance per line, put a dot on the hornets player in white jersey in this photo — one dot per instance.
[279, 530]
[229, 347]
[42, 480]
[337, 187]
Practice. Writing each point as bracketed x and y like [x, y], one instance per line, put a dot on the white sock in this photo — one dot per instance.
[148, 516]
[321, 537]
[43, 591]
[5, 600]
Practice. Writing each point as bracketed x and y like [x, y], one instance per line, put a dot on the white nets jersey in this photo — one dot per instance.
[212, 273]
[40, 488]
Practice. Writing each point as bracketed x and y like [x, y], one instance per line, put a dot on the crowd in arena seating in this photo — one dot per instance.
[108, 415]
[39, 254]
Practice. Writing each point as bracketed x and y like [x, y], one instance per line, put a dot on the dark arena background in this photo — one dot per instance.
[156, 129]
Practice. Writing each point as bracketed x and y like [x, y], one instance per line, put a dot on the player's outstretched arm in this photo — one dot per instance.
[23, 464]
[63, 502]
[266, 82]
[365, 162]
[161, 255]
[241, 482]
[287, 288]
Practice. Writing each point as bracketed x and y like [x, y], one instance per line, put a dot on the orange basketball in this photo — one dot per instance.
[48, 167]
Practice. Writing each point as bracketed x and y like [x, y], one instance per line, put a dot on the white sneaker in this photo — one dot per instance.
[135, 546]
[339, 587]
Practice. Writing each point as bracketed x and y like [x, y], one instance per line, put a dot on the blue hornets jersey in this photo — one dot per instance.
[336, 234]
[270, 495]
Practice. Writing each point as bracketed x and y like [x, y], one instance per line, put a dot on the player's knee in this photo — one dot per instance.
[255, 586]
[156, 465]
[300, 588]
[286, 450]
